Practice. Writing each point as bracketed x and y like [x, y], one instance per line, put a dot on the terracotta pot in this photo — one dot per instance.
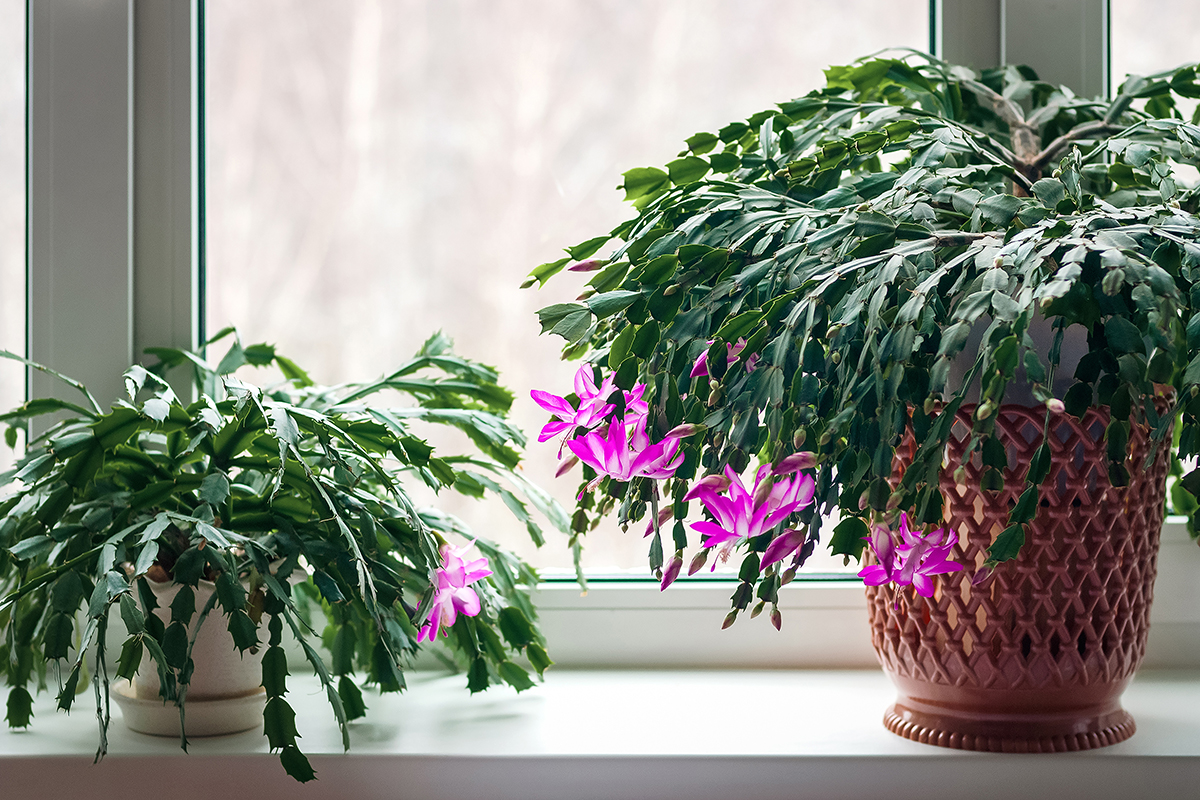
[1035, 658]
[225, 694]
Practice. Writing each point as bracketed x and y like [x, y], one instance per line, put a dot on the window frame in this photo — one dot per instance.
[115, 262]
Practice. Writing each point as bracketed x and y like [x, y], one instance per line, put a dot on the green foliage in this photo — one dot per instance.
[287, 501]
[862, 239]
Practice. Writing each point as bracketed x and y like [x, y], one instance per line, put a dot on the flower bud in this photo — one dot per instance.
[698, 562]
[664, 514]
[798, 439]
[836, 357]
[730, 618]
[788, 576]
[672, 571]
[683, 431]
[1055, 406]
[776, 618]
[894, 500]
[794, 462]
[758, 608]
[864, 500]
[930, 405]
[590, 265]
[762, 492]
[984, 411]
[566, 466]
[708, 484]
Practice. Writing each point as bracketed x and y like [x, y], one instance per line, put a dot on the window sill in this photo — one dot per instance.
[615, 734]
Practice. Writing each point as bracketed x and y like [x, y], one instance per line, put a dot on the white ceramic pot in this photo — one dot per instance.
[225, 694]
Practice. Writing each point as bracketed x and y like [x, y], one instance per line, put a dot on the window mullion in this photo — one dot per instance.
[1066, 42]
[113, 189]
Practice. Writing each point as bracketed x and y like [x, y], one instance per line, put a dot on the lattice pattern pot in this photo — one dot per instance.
[1036, 658]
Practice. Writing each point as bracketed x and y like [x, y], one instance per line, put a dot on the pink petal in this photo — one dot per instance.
[874, 575]
[553, 403]
[467, 602]
[552, 429]
[717, 535]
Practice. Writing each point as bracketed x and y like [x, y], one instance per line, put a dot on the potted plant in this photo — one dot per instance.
[954, 313]
[251, 510]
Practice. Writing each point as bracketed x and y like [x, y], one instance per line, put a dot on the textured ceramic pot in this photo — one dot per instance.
[1035, 658]
[225, 694]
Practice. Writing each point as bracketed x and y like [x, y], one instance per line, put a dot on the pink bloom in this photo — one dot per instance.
[624, 452]
[913, 561]
[454, 595]
[733, 352]
[742, 514]
[593, 404]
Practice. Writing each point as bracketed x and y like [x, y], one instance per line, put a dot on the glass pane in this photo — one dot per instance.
[12, 207]
[377, 171]
[1151, 38]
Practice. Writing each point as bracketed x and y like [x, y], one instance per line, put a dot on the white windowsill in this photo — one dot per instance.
[612, 734]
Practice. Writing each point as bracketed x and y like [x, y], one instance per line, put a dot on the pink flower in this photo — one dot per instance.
[454, 595]
[733, 352]
[742, 514]
[914, 560]
[624, 452]
[593, 404]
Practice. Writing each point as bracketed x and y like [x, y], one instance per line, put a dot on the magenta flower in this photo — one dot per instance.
[913, 561]
[454, 594]
[742, 514]
[593, 406]
[733, 353]
[624, 452]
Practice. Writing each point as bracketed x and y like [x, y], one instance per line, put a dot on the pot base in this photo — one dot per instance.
[1014, 733]
[216, 717]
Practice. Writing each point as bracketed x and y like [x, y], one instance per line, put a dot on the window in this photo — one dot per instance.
[358, 151]
[1146, 40]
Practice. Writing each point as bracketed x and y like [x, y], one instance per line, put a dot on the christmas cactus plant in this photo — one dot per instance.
[811, 288]
[295, 501]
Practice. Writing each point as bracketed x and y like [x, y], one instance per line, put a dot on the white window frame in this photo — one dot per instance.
[115, 263]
